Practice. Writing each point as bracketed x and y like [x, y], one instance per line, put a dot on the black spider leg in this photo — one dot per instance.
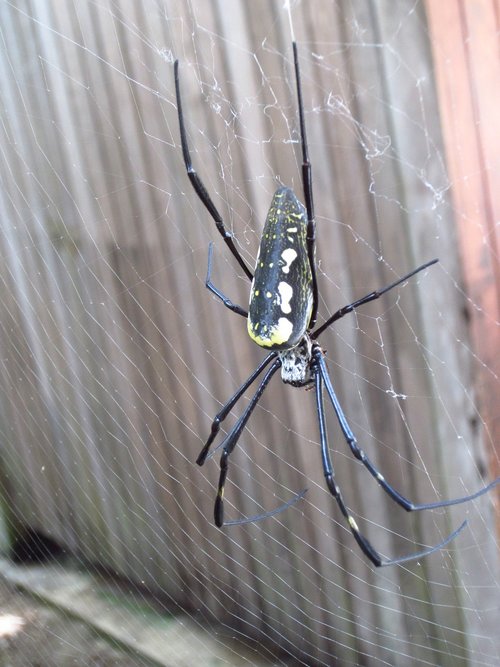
[209, 285]
[308, 192]
[226, 409]
[321, 375]
[229, 444]
[345, 310]
[406, 504]
[197, 183]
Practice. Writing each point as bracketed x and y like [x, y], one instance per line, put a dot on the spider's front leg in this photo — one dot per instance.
[373, 296]
[226, 409]
[232, 438]
[361, 455]
[320, 374]
[230, 443]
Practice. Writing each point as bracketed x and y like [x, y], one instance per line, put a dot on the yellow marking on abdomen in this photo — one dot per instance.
[277, 335]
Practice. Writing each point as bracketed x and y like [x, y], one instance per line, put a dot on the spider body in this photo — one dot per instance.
[296, 363]
[281, 297]
[282, 319]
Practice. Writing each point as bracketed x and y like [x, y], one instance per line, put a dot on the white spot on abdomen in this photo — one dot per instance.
[284, 329]
[286, 292]
[288, 256]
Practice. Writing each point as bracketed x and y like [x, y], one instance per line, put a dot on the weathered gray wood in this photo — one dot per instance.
[115, 358]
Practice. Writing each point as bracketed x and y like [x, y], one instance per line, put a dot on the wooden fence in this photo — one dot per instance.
[115, 358]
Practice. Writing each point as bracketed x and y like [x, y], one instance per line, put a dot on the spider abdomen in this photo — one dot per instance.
[281, 295]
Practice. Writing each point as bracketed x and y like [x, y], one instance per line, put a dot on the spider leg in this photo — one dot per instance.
[266, 515]
[230, 443]
[406, 504]
[345, 310]
[226, 409]
[197, 183]
[209, 285]
[334, 489]
[308, 192]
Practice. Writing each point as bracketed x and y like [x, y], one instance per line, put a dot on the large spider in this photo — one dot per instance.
[282, 318]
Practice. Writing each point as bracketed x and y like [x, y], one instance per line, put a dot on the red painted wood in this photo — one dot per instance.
[464, 35]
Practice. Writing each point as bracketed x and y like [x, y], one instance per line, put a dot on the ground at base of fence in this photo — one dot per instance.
[60, 617]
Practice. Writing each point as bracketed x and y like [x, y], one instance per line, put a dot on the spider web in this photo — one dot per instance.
[115, 358]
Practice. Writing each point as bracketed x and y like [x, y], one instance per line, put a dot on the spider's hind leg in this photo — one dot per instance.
[209, 285]
[197, 183]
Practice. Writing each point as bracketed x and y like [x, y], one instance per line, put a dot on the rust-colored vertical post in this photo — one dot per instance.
[465, 45]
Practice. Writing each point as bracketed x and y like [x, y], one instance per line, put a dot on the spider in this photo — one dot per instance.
[282, 317]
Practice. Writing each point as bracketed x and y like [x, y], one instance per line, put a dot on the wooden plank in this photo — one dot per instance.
[134, 357]
[464, 37]
[465, 43]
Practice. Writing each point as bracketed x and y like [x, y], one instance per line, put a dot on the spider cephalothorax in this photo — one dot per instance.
[296, 363]
[282, 319]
